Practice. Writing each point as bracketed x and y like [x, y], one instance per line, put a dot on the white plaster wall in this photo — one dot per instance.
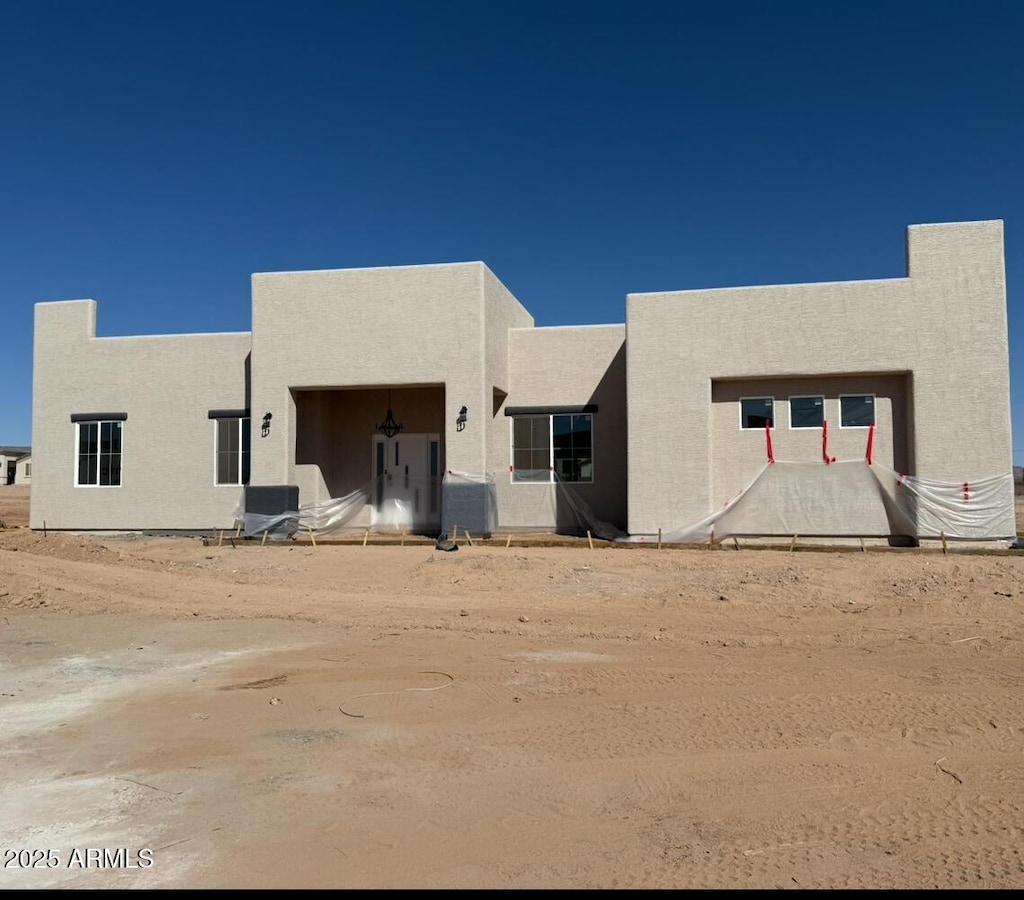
[944, 324]
[166, 385]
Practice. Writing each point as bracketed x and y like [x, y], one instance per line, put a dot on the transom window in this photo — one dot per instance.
[757, 412]
[806, 412]
[856, 410]
[99, 454]
[546, 446]
[232, 451]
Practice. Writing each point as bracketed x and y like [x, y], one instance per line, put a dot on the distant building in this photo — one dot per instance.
[13, 463]
[651, 424]
[23, 470]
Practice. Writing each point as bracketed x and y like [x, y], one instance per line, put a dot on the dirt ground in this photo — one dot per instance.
[348, 716]
[14, 505]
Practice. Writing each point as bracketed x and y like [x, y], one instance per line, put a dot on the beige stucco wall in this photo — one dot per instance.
[502, 313]
[944, 325]
[166, 385]
[404, 326]
[567, 366]
[737, 455]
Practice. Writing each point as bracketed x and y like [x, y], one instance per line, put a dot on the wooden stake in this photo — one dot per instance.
[469, 538]
[659, 538]
[366, 534]
[265, 533]
[711, 540]
[455, 535]
[735, 542]
[590, 540]
[942, 534]
[220, 538]
[508, 541]
[792, 544]
[404, 530]
[863, 549]
[238, 531]
[312, 536]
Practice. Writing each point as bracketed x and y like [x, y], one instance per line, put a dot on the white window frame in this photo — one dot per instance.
[739, 411]
[99, 423]
[824, 418]
[216, 451]
[551, 447]
[874, 409]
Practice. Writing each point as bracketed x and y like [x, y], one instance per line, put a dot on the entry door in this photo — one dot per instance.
[407, 481]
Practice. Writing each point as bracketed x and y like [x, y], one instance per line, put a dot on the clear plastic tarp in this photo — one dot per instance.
[856, 499]
[808, 499]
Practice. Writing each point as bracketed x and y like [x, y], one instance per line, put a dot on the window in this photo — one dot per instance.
[99, 454]
[559, 445]
[756, 412]
[232, 451]
[857, 410]
[806, 412]
[28, 470]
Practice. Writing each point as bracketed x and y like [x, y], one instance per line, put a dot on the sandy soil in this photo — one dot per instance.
[287, 716]
[14, 505]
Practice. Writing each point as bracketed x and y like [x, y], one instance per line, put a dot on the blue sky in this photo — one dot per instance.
[154, 155]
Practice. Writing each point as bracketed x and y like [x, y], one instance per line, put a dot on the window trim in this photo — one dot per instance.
[551, 443]
[874, 410]
[585, 409]
[216, 449]
[79, 421]
[824, 418]
[739, 409]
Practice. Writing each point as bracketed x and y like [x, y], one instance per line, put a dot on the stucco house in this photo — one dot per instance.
[15, 465]
[648, 425]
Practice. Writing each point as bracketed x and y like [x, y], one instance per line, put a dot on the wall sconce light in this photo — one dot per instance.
[266, 425]
[460, 422]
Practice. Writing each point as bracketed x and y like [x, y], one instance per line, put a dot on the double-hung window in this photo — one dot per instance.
[98, 453]
[232, 451]
[550, 446]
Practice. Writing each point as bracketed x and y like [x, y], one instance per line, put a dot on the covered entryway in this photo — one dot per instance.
[340, 447]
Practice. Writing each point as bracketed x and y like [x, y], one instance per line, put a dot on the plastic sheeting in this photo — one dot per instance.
[398, 502]
[810, 499]
[277, 528]
[334, 514]
[584, 515]
[969, 510]
[855, 499]
[469, 502]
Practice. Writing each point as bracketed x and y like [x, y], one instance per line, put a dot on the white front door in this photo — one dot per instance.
[407, 481]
